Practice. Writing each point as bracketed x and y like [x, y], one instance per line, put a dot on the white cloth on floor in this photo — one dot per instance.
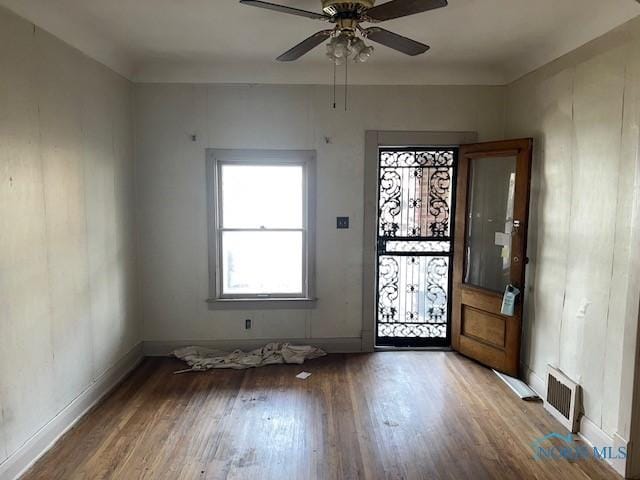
[200, 358]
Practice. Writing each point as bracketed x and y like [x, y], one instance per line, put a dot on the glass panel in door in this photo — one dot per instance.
[490, 224]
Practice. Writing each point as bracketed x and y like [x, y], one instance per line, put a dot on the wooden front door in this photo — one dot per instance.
[490, 250]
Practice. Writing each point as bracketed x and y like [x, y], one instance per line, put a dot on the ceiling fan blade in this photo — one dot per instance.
[285, 9]
[395, 41]
[402, 8]
[305, 46]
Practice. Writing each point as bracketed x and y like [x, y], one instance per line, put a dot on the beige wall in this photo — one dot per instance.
[67, 194]
[581, 315]
[66, 231]
[172, 202]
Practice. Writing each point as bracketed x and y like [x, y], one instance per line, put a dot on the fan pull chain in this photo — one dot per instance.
[334, 84]
[346, 81]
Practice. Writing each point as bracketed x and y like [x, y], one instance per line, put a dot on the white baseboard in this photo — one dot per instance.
[619, 465]
[589, 432]
[593, 435]
[43, 439]
[160, 348]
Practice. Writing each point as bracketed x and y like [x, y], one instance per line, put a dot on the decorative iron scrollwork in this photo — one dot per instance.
[437, 286]
[414, 248]
[415, 193]
[416, 158]
[388, 270]
[390, 202]
[413, 290]
[439, 199]
[408, 330]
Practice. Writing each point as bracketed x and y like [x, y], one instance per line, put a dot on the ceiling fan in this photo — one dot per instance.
[347, 36]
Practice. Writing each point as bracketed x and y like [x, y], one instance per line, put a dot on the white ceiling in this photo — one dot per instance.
[473, 41]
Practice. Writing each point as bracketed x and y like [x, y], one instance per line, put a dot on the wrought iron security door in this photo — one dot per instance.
[415, 246]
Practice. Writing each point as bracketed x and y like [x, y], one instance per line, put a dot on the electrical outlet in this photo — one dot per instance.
[342, 222]
[247, 324]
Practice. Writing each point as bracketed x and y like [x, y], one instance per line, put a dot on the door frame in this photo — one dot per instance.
[373, 140]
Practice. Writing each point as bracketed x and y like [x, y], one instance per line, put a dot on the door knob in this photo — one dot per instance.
[516, 225]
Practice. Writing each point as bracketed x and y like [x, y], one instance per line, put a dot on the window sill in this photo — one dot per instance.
[260, 303]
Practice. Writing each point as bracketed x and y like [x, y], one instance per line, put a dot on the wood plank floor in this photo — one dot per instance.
[388, 415]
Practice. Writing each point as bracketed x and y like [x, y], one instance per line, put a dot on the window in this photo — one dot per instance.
[261, 242]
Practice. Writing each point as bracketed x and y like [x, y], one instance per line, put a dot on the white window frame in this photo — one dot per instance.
[216, 159]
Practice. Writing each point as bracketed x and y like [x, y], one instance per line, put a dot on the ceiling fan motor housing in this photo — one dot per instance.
[345, 9]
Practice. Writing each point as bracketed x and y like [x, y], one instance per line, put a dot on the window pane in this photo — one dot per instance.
[262, 262]
[255, 196]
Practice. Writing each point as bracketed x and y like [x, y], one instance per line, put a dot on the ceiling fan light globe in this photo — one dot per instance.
[364, 55]
[358, 45]
[340, 50]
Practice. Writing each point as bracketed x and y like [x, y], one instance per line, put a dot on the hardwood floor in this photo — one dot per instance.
[388, 415]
